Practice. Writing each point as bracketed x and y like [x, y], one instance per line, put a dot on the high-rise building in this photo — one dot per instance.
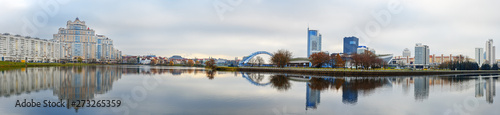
[313, 42]
[79, 41]
[70, 43]
[490, 52]
[421, 55]
[406, 53]
[351, 45]
[479, 56]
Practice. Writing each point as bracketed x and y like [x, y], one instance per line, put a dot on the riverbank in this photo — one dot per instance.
[4, 65]
[349, 72]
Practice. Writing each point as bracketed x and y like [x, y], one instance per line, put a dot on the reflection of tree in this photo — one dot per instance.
[190, 71]
[366, 85]
[211, 74]
[256, 77]
[319, 84]
[280, 82]
[338, 83]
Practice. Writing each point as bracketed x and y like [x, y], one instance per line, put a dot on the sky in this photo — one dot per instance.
[236, 28]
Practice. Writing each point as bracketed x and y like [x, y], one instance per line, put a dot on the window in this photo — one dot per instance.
[77, 38]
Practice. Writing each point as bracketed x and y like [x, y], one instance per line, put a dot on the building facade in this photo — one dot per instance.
[313, 42]
[490, 52]
[70, 43]
[79, 41]
[351, 45]
[406, 53]
[362, 49]
[17, 48]
[421, 55]
[479, 56]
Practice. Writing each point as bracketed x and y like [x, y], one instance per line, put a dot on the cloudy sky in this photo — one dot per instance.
[235, 28]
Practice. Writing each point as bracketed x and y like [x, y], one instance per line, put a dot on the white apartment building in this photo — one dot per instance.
[70, 43]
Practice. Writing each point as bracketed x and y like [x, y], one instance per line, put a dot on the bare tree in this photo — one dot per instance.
[281, 58]
[259, 61]
[318, 59]
[211, 64]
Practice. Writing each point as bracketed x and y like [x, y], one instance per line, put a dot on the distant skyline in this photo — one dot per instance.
[198, 29]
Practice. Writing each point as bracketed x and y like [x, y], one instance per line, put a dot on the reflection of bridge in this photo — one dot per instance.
[315, 84]
[245, 75]
[246, 59]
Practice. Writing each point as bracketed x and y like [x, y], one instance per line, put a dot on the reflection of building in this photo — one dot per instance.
[312, 97]
[421, 88]
[349, 95]
[68, 83]
[490, 90]
[479, 87]
[485, 87]
[313, 42]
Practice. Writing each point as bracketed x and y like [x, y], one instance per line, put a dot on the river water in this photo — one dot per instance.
[184, 90]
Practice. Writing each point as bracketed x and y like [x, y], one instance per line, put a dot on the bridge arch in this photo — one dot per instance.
[246, 59]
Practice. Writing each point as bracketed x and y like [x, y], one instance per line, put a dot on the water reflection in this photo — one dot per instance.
[80, 83]
[485, 84]
[67, 83]
[280, 82]
[352, 87]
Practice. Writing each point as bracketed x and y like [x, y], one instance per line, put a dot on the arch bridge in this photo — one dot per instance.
[246, 59]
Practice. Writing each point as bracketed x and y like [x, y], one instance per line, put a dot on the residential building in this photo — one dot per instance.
[73, 42]
[479, 56]
[79, 41]
[24, 48]
[490, 52]
[313, 42]
[351, 45]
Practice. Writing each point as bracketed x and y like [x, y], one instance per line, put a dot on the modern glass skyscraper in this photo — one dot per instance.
[351, 45]
[313, 42]
[421, 55]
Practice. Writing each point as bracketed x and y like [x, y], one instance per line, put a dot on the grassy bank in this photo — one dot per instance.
[4, 65]
[227, 69]
[352, 72]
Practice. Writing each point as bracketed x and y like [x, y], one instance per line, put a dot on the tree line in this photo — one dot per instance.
[467, 65]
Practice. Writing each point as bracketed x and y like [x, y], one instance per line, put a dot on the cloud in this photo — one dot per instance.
[186, 28]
